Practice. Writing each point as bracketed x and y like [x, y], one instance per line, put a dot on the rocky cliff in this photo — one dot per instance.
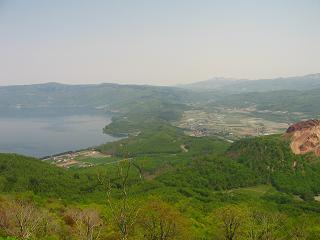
[305, 137]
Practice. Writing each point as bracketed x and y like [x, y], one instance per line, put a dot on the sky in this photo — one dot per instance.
[163, 42]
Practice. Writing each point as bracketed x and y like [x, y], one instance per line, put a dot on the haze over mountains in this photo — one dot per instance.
[260, 85]
[64, 98]
[50, 92]
[300, 94]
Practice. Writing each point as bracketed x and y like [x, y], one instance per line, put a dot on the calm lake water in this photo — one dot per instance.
[46, 136]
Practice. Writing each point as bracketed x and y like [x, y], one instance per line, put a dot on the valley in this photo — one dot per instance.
[195, 158]
[230, 124]
[159, 120]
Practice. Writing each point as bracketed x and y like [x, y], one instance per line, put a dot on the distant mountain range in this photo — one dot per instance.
[299, 94]
[306, 82]
[62, 98]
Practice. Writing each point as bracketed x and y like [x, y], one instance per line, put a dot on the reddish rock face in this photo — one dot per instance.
[305, 137]
[303, 125]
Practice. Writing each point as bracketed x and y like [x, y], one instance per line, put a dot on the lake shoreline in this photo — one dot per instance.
[41, 137]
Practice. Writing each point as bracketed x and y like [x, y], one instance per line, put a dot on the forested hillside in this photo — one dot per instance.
[273, 159]
[194, 190]
[158, 182]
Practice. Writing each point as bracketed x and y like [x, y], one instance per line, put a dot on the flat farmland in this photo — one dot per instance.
[230, 124]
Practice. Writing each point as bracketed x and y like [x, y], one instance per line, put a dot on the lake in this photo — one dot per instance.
[43, 136]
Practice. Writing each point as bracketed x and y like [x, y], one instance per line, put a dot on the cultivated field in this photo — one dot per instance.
[230, 124]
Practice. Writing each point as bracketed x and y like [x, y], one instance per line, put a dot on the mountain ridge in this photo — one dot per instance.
[304, 82]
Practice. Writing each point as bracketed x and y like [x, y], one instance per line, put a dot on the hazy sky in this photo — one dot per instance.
[156, 42]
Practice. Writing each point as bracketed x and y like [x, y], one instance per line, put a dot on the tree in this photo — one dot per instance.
[86, 223]
[123, 211]
[160, 221]
[231, 219]
[262, 225]
[21, 219]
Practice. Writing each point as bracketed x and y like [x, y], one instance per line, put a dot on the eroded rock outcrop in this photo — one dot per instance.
[305, 137]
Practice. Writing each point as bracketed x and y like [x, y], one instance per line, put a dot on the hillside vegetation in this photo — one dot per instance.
[159, 183]
[198, 187]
